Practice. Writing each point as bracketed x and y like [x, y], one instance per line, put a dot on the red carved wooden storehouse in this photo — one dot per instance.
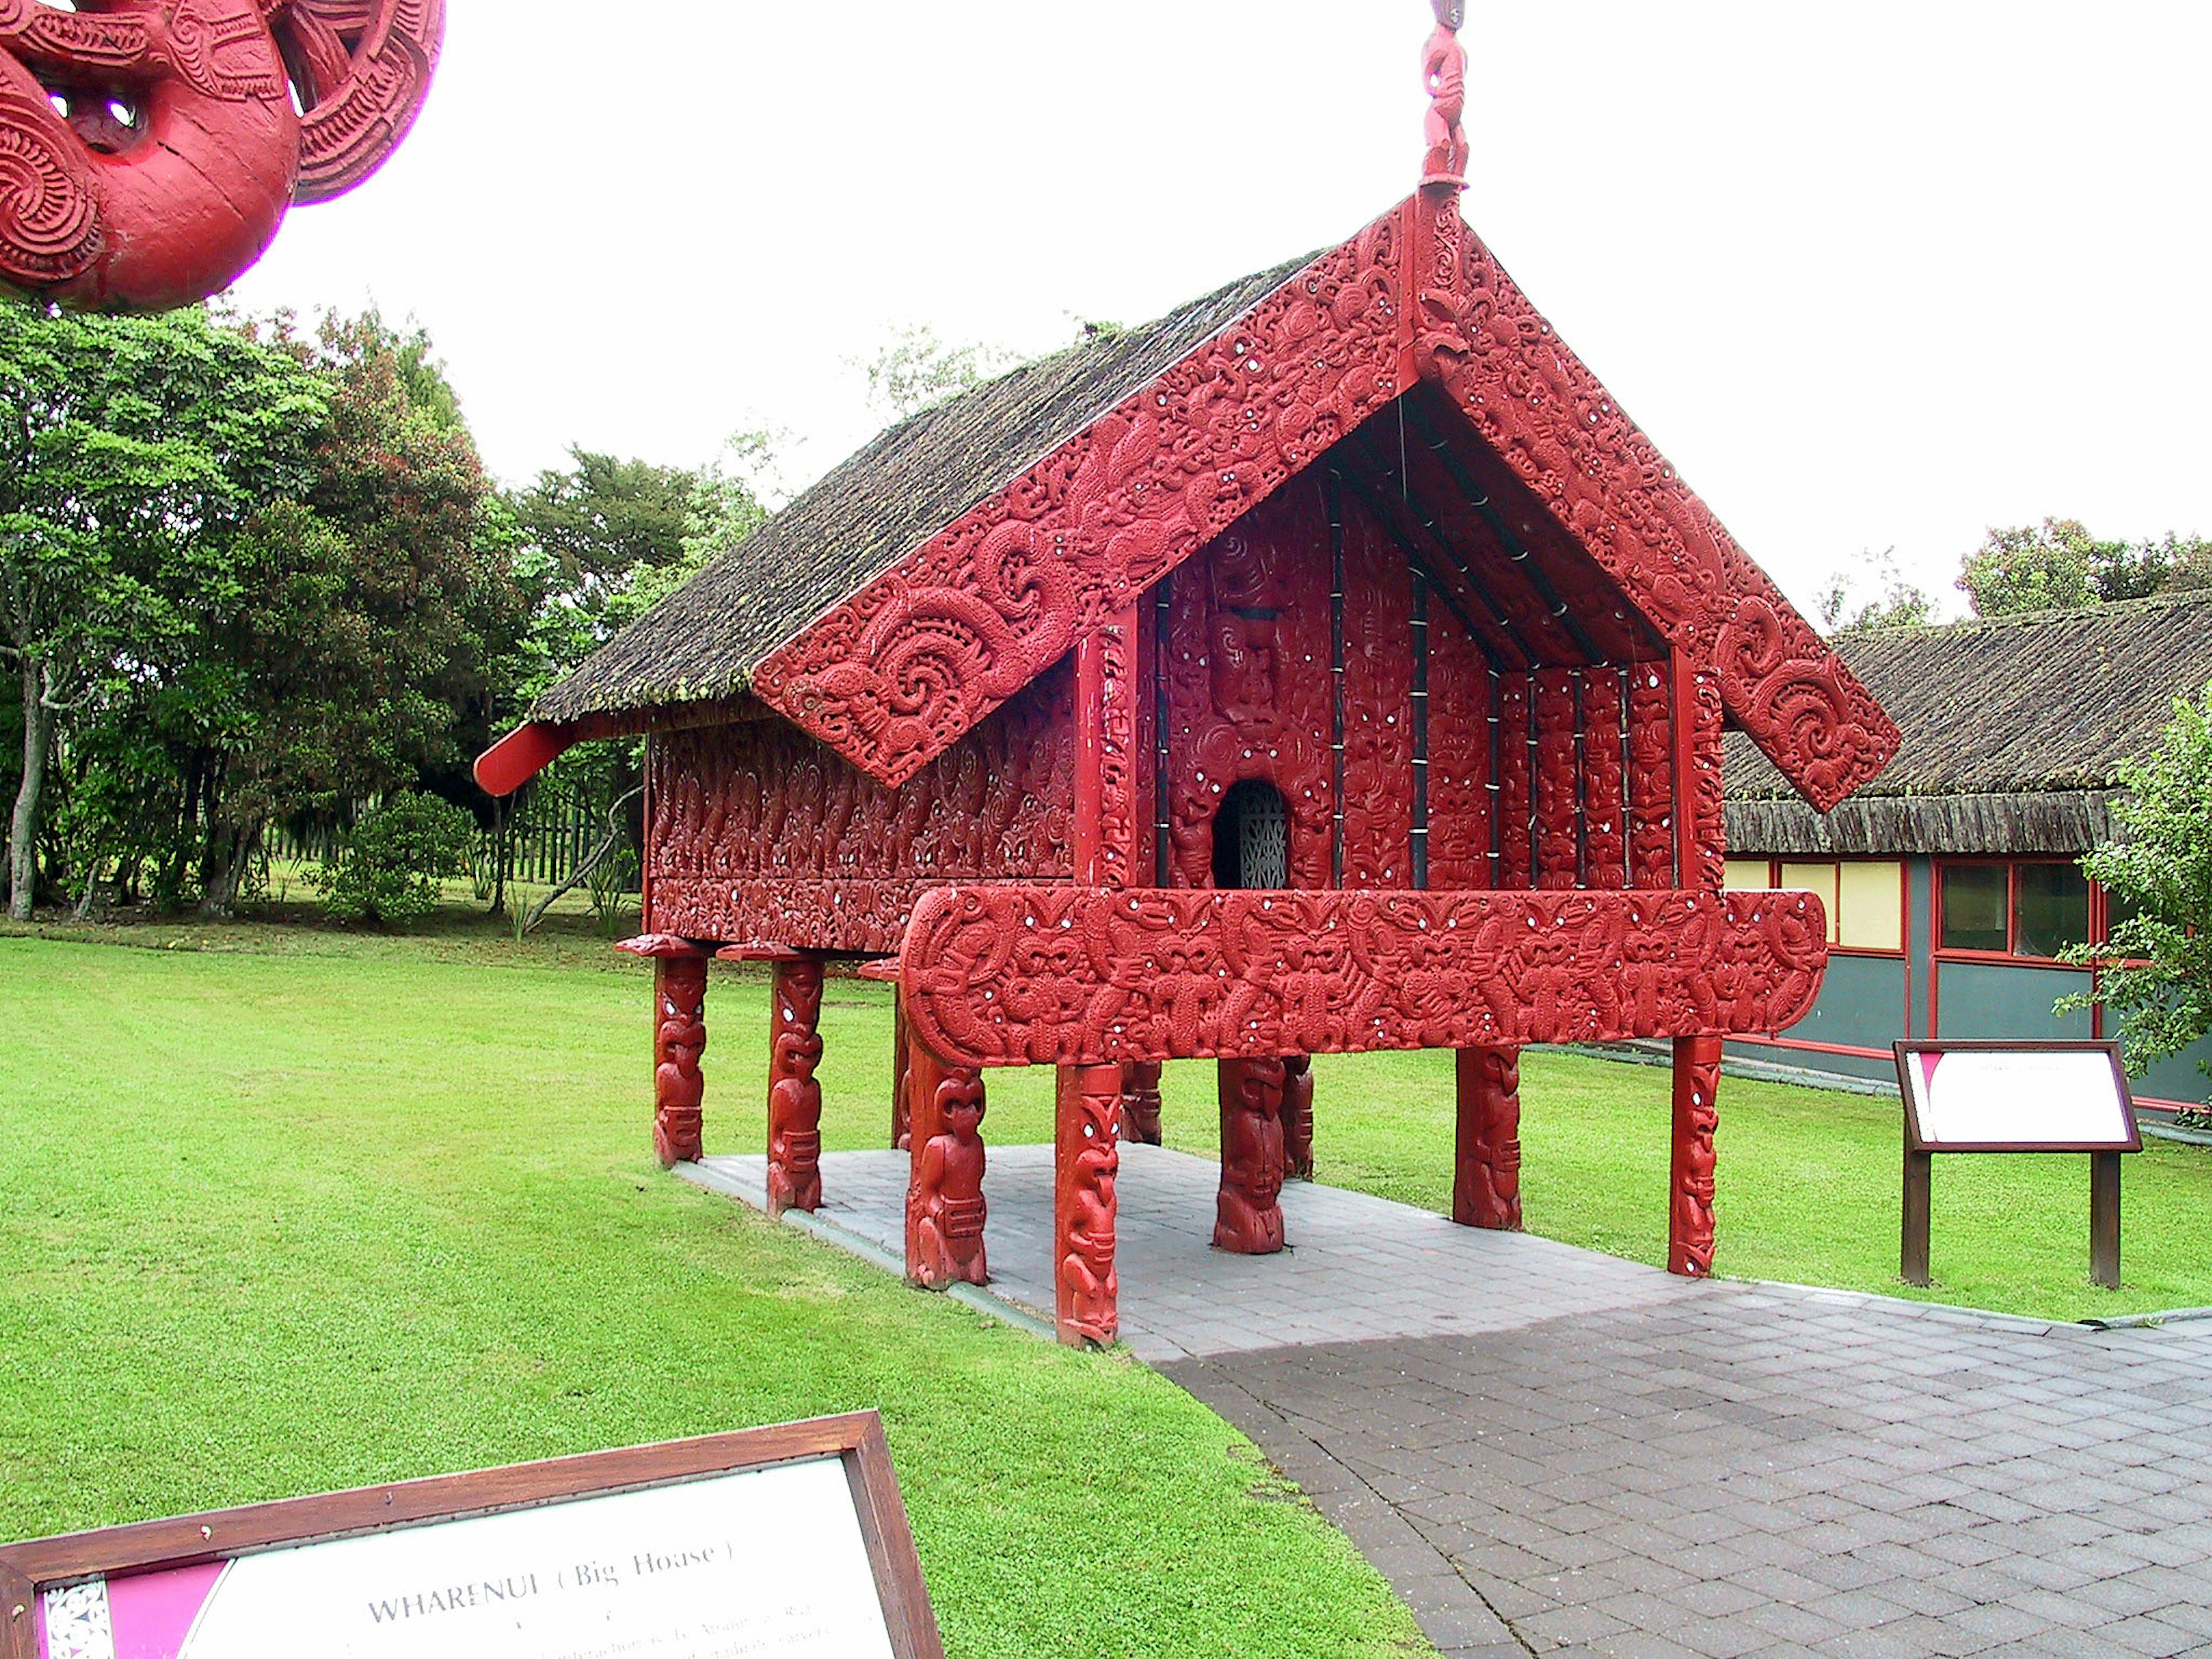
[1328, 667]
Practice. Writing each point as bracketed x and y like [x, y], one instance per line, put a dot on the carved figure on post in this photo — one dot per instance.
[1248, 1213]
[1088, 1159]
[945, 1207]
[1298, 1118]
[1486, 1176]
[1691, 1229]
[794, 1096]
[679, 1039]
[1140, 1102]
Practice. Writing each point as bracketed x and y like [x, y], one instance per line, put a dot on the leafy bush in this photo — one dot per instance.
[388, 869]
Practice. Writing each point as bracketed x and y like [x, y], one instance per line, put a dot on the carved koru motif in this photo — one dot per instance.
[1696, 1116]
[1548, 418]
[1298, 1118]
[1487, 1178]
[1444, 72]
[149, 150]
[1247, 1213]
[1089, 1159]
[1140, 1102]
[1650, 772]
[1516, 786]
[1604, 798]
[1558, 798]
[944, 1208]
[894, 675]
[794, 1097]
[1011, 975]
[679, 1038]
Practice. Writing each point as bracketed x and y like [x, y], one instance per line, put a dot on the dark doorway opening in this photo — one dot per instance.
[1252, 837]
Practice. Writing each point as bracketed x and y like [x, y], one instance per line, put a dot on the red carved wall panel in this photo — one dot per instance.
[1650, 777]
[1107, 756]
[1248, 660]
[1706, 867]
[1247, 1212]
[1605, 783]
[1379, 710]
[1538, 408]
[1040, 976]
[897, 674]
[1515, 783]
[1460, 693]
[175, 204]
[1087, 1158]
[1487, 1165]
[1558, 782]
[1691, 1229]
[794, 1096]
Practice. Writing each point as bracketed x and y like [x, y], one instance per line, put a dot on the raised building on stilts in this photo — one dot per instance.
[1328, 667]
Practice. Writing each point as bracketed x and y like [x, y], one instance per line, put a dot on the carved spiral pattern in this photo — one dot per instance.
[49, 222]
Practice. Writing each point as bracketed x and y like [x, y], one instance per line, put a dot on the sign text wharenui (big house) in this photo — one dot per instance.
[1328, 667]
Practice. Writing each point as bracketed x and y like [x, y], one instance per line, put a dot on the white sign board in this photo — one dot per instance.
[2017, 1098]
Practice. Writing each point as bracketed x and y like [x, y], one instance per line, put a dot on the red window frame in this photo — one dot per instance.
[2099, 913]
[1904, 902]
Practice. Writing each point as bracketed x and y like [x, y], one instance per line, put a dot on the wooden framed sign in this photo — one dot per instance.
[781, 1541]
[2017, 1097]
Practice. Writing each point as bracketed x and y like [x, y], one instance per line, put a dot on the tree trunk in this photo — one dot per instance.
[23, 828]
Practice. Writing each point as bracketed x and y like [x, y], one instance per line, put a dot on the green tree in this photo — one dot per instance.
[131, 452]
[2159, 874]
[2044, 567]
[918, 371]
[1846, 607]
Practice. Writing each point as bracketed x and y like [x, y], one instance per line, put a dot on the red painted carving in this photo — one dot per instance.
[1558, 798]
[1459, 758]
[795, 1098]
[1486, 1180]
[1106, 753]
[165, 167]
[1038, 975]
[1247, 662]
[1546, 415]
[1705, 861]
[1140, 1102]
[944, 1208]
[1247, 1213]
[1086, 1159]
[680, 1037]
[1443, 71]
[897, 674]
[1605, 787]
[1696, 1116]
[1298, 1118]
[1379, 710]
[1515, 808]
[901, 1063]
[1650, 777]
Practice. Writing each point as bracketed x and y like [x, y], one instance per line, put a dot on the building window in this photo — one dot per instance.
[1864, 897]
[2032, 910]
[1252, 837]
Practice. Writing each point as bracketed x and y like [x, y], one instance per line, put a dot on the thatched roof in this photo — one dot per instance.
[704, 640]
[2015, 729]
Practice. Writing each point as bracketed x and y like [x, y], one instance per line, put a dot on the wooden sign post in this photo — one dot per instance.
[774, 1542]
[2015, 1097]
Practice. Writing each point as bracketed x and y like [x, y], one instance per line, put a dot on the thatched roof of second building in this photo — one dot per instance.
[2015, 729]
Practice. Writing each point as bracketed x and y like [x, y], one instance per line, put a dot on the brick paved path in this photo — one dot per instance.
[1549, 1450]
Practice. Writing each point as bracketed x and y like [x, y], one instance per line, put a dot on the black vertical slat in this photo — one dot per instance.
[1497, 785]
[1420, 701]
[1336, 504]
[1582, 786]
[1162, 619]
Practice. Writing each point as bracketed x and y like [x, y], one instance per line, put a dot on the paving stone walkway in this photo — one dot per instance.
[1548, 1450]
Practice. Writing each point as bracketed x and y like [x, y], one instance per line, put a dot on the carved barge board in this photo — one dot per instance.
[1036, 975]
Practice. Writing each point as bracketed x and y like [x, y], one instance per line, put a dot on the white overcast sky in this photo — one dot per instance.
[1874, 275]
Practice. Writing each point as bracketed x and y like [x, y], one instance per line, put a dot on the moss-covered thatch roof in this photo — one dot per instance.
[2015, 729]
[703, 642]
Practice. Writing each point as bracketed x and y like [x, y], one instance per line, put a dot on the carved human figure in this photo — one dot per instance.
[794, 1097]
[1486, 1172]
[1298, 1118]
[1088, 1159]
[902, 1137]
[679, 1038]
[1247, 1212]
[944, 1208]
[1140, 1103]
[1696, 1117]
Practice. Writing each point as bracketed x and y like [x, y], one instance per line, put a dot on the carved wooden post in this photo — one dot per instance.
[1487, 1178]
[1248, 1217]
[680, 1037]
[794, 1097]
[1086, 1159]
[1140, 1102]
[1697, 1081]
[1298, 1118]
[944, 1208]
[901, 1107]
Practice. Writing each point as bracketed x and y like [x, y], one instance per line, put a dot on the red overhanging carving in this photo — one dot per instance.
[149, 152]
[897, 674]
[1540, 409]
[1014, 976]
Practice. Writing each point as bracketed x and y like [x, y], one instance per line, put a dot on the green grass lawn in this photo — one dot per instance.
[284, 1211]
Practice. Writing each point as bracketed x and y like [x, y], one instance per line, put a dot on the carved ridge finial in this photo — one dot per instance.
[1444, 72]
